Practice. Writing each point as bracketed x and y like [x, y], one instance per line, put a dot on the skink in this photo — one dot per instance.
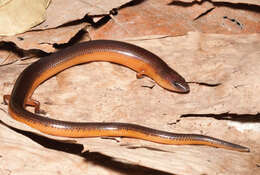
[134, 57]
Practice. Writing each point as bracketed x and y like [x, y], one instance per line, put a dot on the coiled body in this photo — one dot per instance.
[134, 57]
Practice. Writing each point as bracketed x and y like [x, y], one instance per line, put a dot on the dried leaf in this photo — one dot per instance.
[20, 16]
[113, 94]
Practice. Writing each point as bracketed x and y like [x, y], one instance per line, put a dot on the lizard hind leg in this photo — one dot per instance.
[6, 99]
[35, 104]
[29, 102]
